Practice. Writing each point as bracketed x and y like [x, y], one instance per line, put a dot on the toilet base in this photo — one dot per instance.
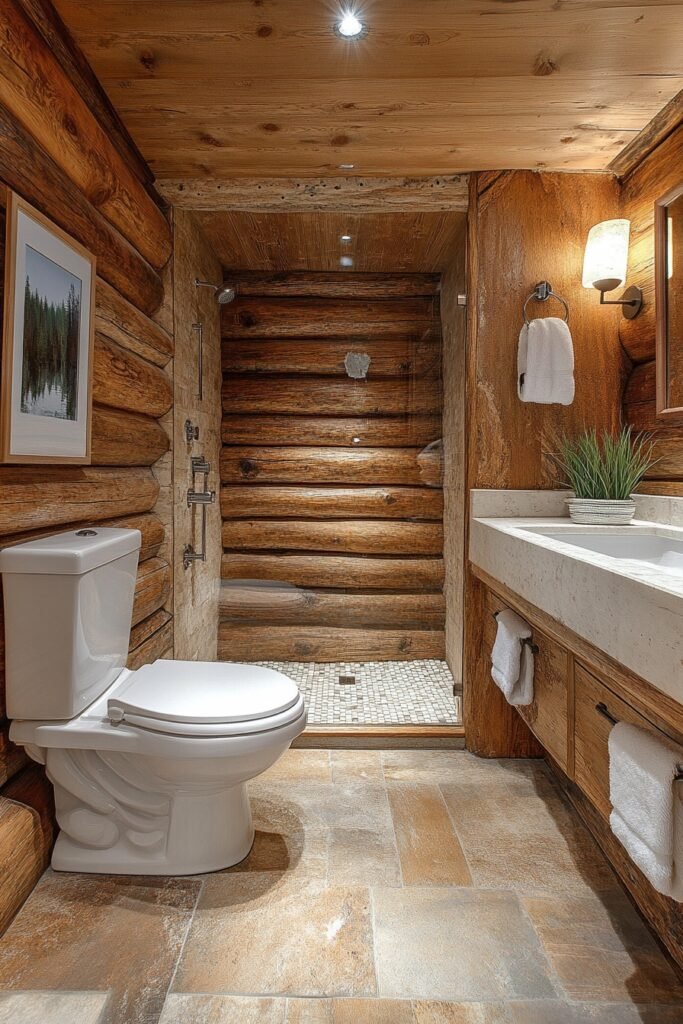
[123, 829]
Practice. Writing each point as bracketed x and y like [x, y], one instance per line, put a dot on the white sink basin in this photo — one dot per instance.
[653, 548]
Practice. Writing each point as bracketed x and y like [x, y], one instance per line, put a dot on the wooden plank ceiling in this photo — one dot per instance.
[379, 242]
[265, 88]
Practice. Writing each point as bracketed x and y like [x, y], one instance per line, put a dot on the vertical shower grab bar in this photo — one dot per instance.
[202, 498]
[198, 328]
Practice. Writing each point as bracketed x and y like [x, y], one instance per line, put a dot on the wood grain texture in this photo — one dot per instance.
[324, 643]
[43, 98]
[652, 177]
[125, 381]
[531, 89]
[336, 285]
[152, 588]
[126, 439]
[269, 317]
[329, 397]
[388, 431]
[655, 132]
[404, 503]
[368, 537]
[24, 856]
[321, 465]
[384, 241]
[337, 571]
[145, 630]
[389, 357]
[304, 607]
[157, 645]
[33, 174]
[122, 322]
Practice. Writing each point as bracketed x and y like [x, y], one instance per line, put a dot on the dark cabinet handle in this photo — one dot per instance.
[603, 710]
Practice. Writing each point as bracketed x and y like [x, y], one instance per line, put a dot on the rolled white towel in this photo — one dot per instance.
[512, 662]
[545, 362]
[647, 815]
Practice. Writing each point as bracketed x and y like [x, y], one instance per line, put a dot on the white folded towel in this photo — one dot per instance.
[647, 815]
[545, 362]
[512, 662]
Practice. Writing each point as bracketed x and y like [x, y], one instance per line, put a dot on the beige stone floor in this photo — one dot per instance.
[395, 887]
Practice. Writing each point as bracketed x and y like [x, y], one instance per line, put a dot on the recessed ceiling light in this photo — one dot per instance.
[346, 167]
[345, 238]
[350, 26]
[346, 261]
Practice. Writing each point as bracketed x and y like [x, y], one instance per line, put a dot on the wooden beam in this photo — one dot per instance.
[661, 125]
[125, 381]
[335, 285]
[321, 466]
[350, 536]
[325, 396]
[306, 195]
[119, 320]
[326, 357]
[407, 431]
[337, 571]
[152, 588]
[126, 438]
[286, 606]
[242, 501]
[326, 643]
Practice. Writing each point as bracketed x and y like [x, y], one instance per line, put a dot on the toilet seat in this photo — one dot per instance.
[189, 698]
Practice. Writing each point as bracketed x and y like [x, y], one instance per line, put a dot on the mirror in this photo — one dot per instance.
[669, 288]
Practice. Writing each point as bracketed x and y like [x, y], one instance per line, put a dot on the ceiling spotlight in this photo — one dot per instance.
[346, 167]
[350, 26]
[345, 239]
[346, 261]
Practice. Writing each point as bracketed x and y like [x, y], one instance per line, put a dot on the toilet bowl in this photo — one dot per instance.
[149, 767]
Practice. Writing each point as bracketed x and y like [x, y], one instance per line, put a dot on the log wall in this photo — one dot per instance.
[117, 218]
[332, 508]
[659, 172]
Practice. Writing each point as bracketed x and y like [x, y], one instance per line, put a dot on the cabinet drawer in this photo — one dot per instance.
[547, 715]
[593, 703]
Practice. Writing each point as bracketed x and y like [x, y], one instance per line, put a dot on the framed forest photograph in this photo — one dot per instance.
[47, 341]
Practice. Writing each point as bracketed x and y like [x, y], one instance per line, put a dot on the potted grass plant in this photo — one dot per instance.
[603, 471]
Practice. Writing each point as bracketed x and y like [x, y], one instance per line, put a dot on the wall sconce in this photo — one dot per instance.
[605, 263]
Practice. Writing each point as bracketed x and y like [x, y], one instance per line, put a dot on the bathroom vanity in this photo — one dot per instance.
[606, 608]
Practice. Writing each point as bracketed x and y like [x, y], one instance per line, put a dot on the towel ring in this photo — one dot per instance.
[541, 292]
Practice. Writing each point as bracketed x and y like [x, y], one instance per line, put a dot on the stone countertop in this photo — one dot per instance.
[633, 612]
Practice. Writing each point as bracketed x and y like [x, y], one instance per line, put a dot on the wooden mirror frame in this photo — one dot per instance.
[661, 309]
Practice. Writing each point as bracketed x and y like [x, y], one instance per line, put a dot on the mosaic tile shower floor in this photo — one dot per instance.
[385, 692]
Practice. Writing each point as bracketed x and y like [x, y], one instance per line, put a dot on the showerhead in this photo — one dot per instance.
[224, 293]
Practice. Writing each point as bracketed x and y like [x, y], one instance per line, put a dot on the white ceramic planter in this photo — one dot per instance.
[597, 512]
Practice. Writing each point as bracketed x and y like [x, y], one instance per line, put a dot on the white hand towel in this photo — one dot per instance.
[545, 362]
[512, 662]
[647, 816]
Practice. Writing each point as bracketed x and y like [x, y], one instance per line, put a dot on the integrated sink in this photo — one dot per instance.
[625, 543]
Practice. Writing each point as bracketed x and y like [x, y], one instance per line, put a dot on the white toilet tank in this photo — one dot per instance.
[68, 608]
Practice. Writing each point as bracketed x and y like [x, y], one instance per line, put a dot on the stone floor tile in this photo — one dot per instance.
[315, 804]
[558, 1012]
[278, 936]
[300, 765]
[301, 853]
[456, 944]
[602, 951]
[52, 1007]
[363, 856]
[310, 1011]
[433, 1012]
[541, 848]
[429, 851]
[356, 766]
[191, 1009]
[349, 1011]
[436, 766]
[82, 933]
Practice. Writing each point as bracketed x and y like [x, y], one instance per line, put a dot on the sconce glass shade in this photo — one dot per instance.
[605, 260]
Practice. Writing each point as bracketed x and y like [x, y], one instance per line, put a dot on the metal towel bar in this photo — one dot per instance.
[603, 710]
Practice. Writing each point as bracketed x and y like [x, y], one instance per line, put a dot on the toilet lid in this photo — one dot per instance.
[197, 692]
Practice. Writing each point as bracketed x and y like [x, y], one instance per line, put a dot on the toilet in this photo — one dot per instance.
[149, 767]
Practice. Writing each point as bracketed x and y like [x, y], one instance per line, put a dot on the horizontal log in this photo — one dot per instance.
[321, 465]
[661, 125]
[389, 357]
[27, 169]
[12, 758]
[251, 316]
[158, 645]
[31, 788]
[672, 488]
[279, 605]
[669, 455]
[122, 322]
[249, 502]
[125, 381]
[328, 397]
[41, 96]
[151, 530]
[126, 438]
[641, 385]
[338, 431]
[359, 536]
[642, 416]
[23, 854]
[325, 643]
[334, 285]
[337, 572]
[152, 588]
[146, 628]
[357, 195]
[36, 497]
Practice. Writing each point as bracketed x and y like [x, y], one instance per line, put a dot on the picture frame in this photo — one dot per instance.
[48, 336]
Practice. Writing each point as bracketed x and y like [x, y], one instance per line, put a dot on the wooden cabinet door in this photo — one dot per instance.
[547, 716]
